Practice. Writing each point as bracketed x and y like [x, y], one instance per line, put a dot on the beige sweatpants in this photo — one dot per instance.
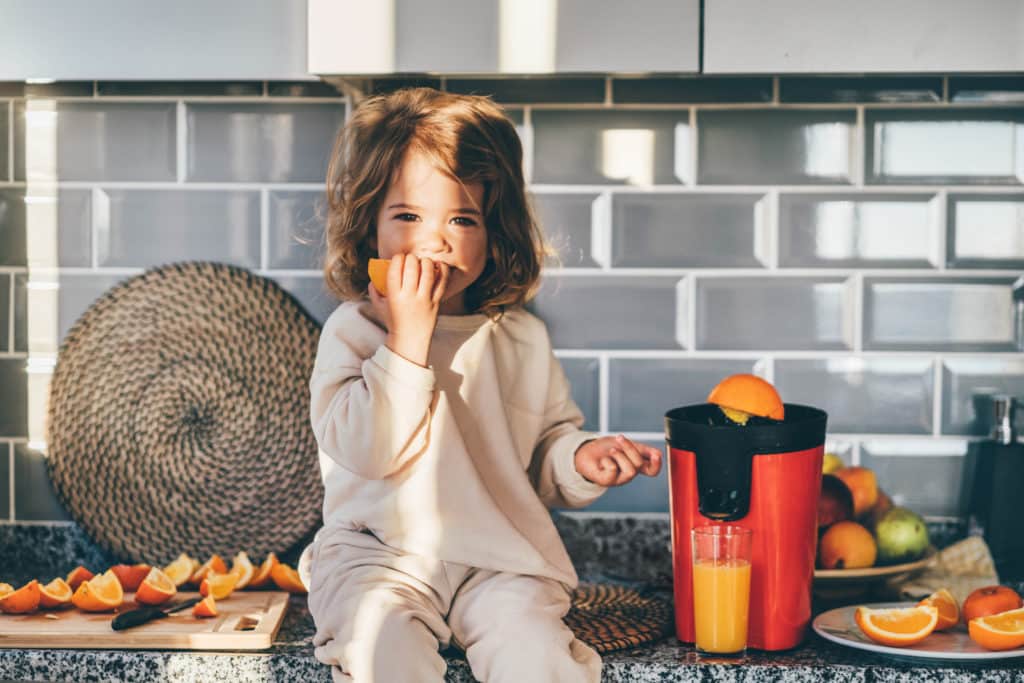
[381, 616]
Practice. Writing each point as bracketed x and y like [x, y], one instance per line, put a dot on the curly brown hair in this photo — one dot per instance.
[467, 136]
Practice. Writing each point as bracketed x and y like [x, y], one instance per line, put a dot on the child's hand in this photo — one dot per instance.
[615, 460]
[415, 287]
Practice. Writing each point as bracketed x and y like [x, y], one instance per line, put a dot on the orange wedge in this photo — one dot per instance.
[378, 270]
[57, 593]
[897, 627]
[742, 395]
[181, 570]
[262, 576]
[23, 600]
[100, 594]
[243, 569]
[6, 589]
[78, 575]
[207, 607]
[219, 586]
[287, 579]
[156, 589]
[131, 576]
[949, 610]
[215, 564]
[1003, 631]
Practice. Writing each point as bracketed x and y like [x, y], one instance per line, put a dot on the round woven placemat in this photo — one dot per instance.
[179, 416]
[608, 617]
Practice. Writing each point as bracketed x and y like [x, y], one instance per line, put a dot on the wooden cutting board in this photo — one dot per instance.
[247, 620]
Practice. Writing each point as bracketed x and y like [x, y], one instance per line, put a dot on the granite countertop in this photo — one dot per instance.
[628, 549]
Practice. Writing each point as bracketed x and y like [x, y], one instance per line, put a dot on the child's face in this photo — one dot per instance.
[438, 221]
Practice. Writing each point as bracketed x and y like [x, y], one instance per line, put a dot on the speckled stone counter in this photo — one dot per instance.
[630, 549]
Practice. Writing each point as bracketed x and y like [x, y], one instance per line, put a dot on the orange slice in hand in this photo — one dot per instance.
[23, 600]
[57, 593]
[378, 270]
[219, 586]
[243, 569]
[740, 396]
[897, 627]
[131, 576]
[287, 579]
[77, 576]
[949, 610]
[1003, 631]
[262, 575]
[100, 594]
[214, 564]
[207, 607]
[181, 570]
[156, 589]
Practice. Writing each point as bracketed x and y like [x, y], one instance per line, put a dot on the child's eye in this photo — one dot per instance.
[412, 216]
[469, 221]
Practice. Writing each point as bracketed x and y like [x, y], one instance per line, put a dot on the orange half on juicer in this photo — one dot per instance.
[742, 396]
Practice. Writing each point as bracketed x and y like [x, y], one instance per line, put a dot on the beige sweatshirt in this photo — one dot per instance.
[460, 460]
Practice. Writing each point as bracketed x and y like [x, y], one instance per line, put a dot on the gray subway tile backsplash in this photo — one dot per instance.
[775, 313]
[145, 228]
[963, 314]
[783, 262]
[859, 230]
[689, 230]
[874, 395]
[767, 147]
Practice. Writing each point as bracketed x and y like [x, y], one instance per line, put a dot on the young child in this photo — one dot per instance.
[445, 423]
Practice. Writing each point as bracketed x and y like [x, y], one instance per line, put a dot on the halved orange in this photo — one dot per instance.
[378, 270]
[262, 575]
[215, 564]
[949, 610]
[78, 575]
[243, 569]
[131, 576]
[207, 607]
[182, 569]
[57, 593]
[156, 589]
[897, 627]
[287, 579]
[99, 594]
[23, 600]
[742, 395]
[1003, 631]
[219, 586]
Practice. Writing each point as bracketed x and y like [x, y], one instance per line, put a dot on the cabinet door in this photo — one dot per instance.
[863, 36]
[503, 36]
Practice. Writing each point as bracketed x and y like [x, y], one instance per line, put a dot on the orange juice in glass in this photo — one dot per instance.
[721, 588]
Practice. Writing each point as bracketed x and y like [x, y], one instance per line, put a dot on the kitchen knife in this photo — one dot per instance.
[137, 617]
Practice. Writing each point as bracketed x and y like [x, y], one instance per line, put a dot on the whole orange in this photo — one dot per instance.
[863, 485]
[846, 545]
[990, 600]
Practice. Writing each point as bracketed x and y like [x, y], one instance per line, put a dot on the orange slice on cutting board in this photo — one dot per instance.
[949, 610]
[741, 396]
[156, 589]
[55, 594]
[23, 600]
[219, 586]
[243, 569]
[1003, 631]
[214, 564]
[378, 270]
[207, 607]
[131, 576]
[100, 594]
[77, 576]
[287, 579]
[897, 627]
[262, 576]
[181, 570]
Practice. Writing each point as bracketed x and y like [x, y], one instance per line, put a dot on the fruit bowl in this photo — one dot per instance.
[835, 583]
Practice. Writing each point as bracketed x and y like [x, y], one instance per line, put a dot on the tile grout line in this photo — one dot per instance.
[937, 396]
[694, 146]
[10, 139]
[181, 141]
[859, 153]
[10, 479]
[10, 321]
[264, 229]
[942, 234]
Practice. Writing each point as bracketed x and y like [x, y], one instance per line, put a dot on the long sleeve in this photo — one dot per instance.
[370, 415]
[552, 467]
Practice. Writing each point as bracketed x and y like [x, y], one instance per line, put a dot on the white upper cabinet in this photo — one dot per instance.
[863, 36]
[503, 36]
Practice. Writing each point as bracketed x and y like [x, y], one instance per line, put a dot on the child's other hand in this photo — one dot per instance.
[415, 287]
[615, 460]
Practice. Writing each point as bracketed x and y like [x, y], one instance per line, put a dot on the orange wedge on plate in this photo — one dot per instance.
[897, 627]
[55, 594]
[287, 579]
[743, 395]
[262, 576]
[243, 569]
[1003, 631]
[207, 607]
[219, 586]
[100, 594]
[214, 564]
[156, 589]
[23, 600]
[378, 270]
[181, 570]
[949, 610]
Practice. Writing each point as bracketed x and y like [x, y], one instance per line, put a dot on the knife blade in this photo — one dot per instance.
[137, 617]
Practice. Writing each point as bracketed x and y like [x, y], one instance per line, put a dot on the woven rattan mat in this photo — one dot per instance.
[608, 617]
[179, 416]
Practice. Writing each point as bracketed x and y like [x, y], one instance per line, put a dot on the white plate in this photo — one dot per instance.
[838, 626]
